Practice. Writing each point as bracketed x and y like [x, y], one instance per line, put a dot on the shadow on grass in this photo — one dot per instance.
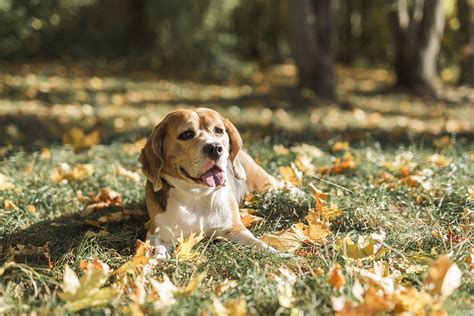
[67, 232]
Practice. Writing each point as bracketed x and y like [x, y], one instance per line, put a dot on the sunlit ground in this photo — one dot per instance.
[397, 169]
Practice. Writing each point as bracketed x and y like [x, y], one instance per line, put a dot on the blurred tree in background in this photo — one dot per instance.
[223, 37]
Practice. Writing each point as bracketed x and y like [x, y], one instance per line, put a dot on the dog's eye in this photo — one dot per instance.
[186, 135]
[218, 131]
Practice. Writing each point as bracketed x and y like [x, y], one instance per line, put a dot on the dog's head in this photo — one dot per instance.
[192, 145]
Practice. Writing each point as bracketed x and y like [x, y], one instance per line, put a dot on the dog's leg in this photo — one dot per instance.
[245, 237]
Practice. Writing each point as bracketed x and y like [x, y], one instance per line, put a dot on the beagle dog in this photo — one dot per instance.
[197, 173]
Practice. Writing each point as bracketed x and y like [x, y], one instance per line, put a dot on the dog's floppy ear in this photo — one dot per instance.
[151, 157]
[235, 144]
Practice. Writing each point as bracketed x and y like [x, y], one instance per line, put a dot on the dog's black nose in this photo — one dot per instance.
[213, 151]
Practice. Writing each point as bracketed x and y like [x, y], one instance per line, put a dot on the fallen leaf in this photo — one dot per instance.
[470, 258]
[106, 197]
[184, 249]
[369, 246]
[224, 286]
[87, 291]
[291, 174]
[335, 277]
[248, 218]
[5, 183]
[233, 307]
[319, 197]
[142, 261]
[118, 170]
[283, 241]
[339, 165]
[165, 290]
[443, 277]
[280, 150]
[439, 160]
[340, 146]
[285, 295]
[78, 139]
[31, 208]
[64, 173]
[135, 147]
[9, 205]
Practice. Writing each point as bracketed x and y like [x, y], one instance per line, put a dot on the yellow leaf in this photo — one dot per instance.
[31, 208]
[184, 249]
[247, 217]
[314, 232]
[304, 164]
[224, 286]
[340, 146]
[291, 174]
[335, 278]
[443, 277]
[191, 286]
[135, 147]
[233, 307]
[8, 205]
[64, 173]
[122, 172]
[165, 290]
[80, 140]
[285, 295]
[5, 183]
[439, 160]
[283, 241]
[366, 247]
[280, 150]
[141, 260]
[86, 291]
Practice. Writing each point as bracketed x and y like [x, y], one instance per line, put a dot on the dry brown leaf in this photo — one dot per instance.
[31, 209]
[5, 183]
[9, 205]
[340, 146]
[439, 160]
[233, 307]
[248, 218]
[339, 165]
[78, 139]
[64, 173]
[319, 197]
[87, 291]
[291, 174]
[281, 150]
[105, 198]
[30, 250]
[443, 277]
[370, 246]
[225, 285]
[470, 258]
[136, 147]
[283, 240]
[335, 277]
[118, 170]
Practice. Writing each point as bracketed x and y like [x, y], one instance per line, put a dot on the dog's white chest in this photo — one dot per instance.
[189, 213]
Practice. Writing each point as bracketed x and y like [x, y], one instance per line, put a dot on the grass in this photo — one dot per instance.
[420, 221]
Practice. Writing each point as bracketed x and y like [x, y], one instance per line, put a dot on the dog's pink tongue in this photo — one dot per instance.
[213, 177]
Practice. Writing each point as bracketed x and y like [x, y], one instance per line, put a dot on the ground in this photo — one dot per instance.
[397, 171]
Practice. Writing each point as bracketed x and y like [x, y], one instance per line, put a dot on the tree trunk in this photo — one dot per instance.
[418, 32]
[138, 32]
[466, 34]
[312, 41]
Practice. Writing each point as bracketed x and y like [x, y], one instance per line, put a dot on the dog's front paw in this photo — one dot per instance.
[161, 253]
